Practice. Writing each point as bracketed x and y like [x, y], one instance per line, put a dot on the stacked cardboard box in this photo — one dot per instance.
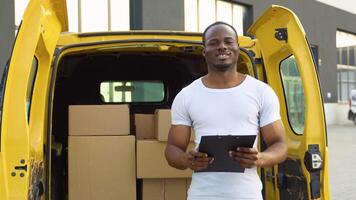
[151, 161]
[152, 135]
[144, 126]
[163, 124]
[102, 157]
[164, 189]
[159, 180]
[101, 153]
[85, 120]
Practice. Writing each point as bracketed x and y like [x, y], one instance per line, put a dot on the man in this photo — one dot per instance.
[225, 102]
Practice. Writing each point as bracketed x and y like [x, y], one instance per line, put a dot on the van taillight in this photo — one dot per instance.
[350, 103]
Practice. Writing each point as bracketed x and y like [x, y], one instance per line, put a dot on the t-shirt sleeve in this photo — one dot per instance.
[270, 107]
[179, 110]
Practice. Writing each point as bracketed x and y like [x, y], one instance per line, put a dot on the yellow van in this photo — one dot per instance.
[61, 91]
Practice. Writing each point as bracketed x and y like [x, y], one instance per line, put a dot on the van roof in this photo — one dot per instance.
[68, 38]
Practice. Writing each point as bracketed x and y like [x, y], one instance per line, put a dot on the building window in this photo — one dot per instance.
[346, 67]
[98, 15]
[201, 13]
[89, 15]
[346, 80]
[20, 6]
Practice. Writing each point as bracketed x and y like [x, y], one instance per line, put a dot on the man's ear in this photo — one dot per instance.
[203, 52]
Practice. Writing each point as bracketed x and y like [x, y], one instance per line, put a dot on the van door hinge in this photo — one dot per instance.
[313, 162]
[312, 158]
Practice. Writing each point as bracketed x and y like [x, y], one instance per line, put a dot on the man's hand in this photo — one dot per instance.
[247, 157]
[197, 161]
[274, 136]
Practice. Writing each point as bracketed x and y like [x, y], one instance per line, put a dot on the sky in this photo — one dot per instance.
[347, 5]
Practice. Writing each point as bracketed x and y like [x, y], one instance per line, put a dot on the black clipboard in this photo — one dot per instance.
[218, 146]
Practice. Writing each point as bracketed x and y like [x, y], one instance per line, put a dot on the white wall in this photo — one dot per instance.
[347, 5]
[336, 113]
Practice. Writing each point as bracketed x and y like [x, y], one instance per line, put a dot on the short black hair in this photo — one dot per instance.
[215, 24]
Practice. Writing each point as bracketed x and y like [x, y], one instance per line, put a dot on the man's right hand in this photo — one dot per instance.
[176, 150]
[197, 161]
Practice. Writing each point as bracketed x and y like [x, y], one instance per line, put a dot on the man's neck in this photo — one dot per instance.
[223, 80]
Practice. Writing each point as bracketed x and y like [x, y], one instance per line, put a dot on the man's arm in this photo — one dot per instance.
[275, 137]
[276, 152]
[176, 155]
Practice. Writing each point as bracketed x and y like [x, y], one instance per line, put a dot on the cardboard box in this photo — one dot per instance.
[99, 120]
[175, 189]
[163, 122]
[101, 167]
[151, 161]
[152, 189]
[164, 189]
[144, 126]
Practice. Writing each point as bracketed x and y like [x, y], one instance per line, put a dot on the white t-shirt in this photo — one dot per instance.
[239, 110]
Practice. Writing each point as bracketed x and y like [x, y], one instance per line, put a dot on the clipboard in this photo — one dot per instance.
[218, 146]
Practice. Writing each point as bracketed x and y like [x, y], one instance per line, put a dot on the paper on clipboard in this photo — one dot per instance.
[218, 146]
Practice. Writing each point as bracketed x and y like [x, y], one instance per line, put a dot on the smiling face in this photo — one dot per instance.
[221, 50]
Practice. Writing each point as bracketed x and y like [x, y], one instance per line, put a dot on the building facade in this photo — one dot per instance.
[331, 32]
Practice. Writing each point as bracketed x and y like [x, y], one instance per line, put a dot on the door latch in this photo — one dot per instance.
[312, 158]
[313, 162]
[21, 167]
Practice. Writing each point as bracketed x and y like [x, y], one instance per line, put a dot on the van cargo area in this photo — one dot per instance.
[86, 115]
[115, 149]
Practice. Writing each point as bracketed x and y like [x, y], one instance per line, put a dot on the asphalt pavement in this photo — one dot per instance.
[342, 161]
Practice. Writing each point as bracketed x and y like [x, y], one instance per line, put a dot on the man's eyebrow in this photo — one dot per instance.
[229, 37]
[225, 38]
[212, 39]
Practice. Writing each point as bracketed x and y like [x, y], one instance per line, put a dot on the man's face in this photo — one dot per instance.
[221, 49]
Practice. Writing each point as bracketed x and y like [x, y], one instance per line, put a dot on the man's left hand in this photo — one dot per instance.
[246, 157]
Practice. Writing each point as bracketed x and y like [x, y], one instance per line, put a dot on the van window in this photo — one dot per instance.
[294, 94]
[132, 91]
[30, 84]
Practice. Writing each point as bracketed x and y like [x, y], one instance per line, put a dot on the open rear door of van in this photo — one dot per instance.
[289, 69]
[24, 110]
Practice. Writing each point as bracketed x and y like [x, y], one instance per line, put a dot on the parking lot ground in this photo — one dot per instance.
[342, 161]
